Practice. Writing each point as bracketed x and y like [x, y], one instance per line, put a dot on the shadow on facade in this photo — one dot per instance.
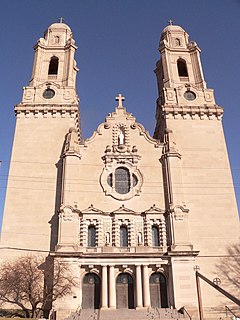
[54, 222]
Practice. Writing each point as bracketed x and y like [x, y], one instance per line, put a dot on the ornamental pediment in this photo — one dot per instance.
[123, 209]
[121, 124]
[48, 84]
[93, 210]
[154, 210]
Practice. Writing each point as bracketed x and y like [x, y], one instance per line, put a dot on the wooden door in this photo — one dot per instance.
[158, 291]
[125, 291]
[91, 291]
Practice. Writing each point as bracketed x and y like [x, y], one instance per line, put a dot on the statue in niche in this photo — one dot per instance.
[121, 137]
[72, 144]
[140, 239]
[107, 238]
[171, 140]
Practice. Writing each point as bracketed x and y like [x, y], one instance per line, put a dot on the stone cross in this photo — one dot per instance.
[61, 20]
[120, 99]
[217, 281]
[170, 22]
[196, 268]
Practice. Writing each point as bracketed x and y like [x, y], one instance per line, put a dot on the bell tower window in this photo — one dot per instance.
[182, 68]
[53, 66]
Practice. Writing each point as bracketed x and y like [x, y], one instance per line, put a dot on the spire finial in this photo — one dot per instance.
[60, 20]
[120, 100]
[170, 22]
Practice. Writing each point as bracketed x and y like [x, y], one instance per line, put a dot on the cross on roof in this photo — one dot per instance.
[170, 22]
[120, 99]
[61, 20]
[196, 268]
[217, 281]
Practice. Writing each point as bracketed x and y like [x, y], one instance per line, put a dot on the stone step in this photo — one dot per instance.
[126, 314]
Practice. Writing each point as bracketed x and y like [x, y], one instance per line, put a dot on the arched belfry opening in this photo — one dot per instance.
[53, 66]
[158, 290]
[182, 68]
[91, 291]
[125, 291]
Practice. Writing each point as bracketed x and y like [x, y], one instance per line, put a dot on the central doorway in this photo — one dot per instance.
[125, 291]
[91, 291]
[158, 291]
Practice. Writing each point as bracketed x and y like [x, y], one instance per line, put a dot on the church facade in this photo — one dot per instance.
[131, 214]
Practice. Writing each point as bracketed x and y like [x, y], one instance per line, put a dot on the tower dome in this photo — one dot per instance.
[59, 25]
[172, 27]
[58, 33]
[174, 36]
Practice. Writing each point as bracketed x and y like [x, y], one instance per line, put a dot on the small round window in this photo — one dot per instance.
[48, 94]
[189, 95]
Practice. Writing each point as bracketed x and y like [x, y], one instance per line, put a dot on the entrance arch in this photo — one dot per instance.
[91, 291]
[125, 291]
[158, 290]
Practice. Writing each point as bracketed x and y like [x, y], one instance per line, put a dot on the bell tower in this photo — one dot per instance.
[49, 108]
[54, 69]
[180, 78]
[198, 186]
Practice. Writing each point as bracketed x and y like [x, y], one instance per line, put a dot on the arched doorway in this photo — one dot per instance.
[91, 291]
[125, 291]
[158, 291]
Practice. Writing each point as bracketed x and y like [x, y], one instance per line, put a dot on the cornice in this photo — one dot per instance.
[43, 110]
[191, 112]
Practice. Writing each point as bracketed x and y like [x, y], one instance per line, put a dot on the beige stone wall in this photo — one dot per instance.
[208, 192]
[32, 186]
[83, 180]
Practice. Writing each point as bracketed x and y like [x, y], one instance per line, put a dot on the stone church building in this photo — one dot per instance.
[131, 214]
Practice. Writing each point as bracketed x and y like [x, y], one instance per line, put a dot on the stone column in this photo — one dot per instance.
[146, 291]
[112, 288]
[104, 287]
[139, 286]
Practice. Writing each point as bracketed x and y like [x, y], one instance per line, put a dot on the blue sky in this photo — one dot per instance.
[117, 51]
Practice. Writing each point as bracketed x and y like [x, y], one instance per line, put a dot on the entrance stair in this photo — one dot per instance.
[126, 314]
[140, 314]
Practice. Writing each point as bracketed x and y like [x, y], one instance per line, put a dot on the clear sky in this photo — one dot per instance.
[117, 51]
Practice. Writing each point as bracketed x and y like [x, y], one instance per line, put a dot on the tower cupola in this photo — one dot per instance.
[181, 85]
[179, 70]
[54, 69]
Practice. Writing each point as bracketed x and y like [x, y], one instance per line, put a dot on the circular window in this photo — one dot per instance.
[48, 94]
[122, 183]
[189, 95]
[122, 180]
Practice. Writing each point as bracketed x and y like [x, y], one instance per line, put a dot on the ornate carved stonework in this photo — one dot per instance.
[180, 212]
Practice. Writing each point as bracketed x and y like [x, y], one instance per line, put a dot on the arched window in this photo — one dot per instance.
[53, 66]
[177, 42]
[182, 68]
[155, 236]
[91, 236]
[122, 180]
[123, 236]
